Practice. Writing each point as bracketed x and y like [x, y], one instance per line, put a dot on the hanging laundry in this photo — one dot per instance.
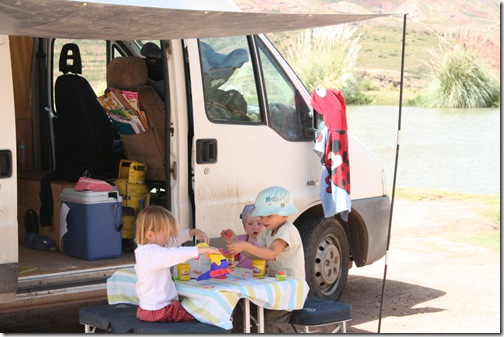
[331, 146]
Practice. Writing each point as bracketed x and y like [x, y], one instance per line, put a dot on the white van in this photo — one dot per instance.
[231, 132]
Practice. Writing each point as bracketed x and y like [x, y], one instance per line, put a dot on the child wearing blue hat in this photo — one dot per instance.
[280, 244]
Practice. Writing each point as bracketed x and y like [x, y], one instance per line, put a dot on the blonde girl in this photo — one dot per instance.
[159, 241]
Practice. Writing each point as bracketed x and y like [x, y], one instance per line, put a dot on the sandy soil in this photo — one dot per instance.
[436, 282]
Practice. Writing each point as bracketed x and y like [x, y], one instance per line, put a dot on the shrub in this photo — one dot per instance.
[459, 78]
[352, 91]
[324, 57]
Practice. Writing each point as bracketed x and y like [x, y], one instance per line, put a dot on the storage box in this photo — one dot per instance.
[29, 198]
[93, 224]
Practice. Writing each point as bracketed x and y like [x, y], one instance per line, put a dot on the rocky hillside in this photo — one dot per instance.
[381, 38]
[483, 15]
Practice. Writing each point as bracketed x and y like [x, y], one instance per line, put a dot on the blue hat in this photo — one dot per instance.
[274, 200]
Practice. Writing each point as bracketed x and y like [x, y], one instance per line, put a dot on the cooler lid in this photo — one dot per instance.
[89, 197]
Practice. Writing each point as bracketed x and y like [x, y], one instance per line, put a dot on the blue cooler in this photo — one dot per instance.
[93, 224]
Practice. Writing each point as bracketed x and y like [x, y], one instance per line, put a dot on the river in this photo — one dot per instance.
[454, 150]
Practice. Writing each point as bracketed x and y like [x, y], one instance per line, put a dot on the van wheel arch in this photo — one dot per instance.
[327, 255]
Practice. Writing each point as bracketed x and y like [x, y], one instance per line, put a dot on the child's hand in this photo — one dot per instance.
[200, 235]
[208, 250]
[236, 247]
[228, 235]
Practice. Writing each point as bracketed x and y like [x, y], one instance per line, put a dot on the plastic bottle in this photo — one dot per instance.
[22, 155]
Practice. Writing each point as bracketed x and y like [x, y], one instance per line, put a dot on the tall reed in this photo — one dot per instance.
[460, 77]
[325, 57]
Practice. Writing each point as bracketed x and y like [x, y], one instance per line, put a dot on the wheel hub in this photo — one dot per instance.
[327, 263]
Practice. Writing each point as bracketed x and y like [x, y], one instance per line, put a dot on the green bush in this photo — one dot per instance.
[325, 57]
[459, 77]
[352, 91]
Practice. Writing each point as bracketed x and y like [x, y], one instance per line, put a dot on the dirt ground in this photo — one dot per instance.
[437, 282]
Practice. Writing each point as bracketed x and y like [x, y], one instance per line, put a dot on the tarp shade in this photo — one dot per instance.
[71, 19]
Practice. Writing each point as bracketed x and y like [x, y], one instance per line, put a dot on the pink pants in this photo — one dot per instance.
[173, 312]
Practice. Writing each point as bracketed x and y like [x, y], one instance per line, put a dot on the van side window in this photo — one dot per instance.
[229, 82]
[288, 113]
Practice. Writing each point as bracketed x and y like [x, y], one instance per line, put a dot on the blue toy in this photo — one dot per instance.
[219, 267]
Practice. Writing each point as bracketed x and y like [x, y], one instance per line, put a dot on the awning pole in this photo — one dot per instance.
[395, 171]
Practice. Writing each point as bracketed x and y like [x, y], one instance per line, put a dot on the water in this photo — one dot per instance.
[454, 150]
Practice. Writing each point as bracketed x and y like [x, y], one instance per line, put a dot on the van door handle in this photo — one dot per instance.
[206, 151]
[5, 163]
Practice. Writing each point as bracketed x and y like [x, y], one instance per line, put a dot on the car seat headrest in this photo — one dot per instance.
[127, 73]
[70, 52]
[151, 50]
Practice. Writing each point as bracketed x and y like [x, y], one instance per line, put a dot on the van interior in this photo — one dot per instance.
[64, 104]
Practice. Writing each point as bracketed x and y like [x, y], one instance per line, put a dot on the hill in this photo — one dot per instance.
[427, 21]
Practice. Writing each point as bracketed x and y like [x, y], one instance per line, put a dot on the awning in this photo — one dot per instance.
[88, 20]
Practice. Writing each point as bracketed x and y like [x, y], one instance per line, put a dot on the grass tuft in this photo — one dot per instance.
[325, 57]
[459, 77]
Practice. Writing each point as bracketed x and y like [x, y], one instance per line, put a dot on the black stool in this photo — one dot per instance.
[121, 318]
[318, 312]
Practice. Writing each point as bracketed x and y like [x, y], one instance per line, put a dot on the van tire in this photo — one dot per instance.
[327, 257]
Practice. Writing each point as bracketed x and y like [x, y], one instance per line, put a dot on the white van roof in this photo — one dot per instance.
[159, 20]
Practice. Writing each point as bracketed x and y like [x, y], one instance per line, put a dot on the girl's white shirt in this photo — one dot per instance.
[155, 287]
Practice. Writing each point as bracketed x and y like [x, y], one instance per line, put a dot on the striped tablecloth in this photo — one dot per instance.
[212, 301]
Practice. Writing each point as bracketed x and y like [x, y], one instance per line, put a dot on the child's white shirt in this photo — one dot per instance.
[291, 259]
[155, 287]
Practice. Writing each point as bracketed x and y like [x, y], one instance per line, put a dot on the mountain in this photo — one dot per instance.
[427, 22]
[484, 15]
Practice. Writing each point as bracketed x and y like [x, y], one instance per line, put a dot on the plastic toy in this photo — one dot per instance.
[219, 267]
[280, 276]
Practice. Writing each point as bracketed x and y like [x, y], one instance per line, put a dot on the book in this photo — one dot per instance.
[125, 126]
[124, 106]
[109, 102]
[129, 106]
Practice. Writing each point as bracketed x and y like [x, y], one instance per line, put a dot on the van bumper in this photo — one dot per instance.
[367, 229]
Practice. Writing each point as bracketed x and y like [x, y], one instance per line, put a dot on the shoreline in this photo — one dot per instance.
[485, 205]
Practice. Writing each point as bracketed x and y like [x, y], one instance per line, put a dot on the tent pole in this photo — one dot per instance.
[395, 171]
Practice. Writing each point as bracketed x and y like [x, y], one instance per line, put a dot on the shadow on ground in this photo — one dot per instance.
[60, 319]
[400, 299]
[363, 293]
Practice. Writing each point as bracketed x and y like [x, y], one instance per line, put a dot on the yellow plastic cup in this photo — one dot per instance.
[184, 271]
[259, 267]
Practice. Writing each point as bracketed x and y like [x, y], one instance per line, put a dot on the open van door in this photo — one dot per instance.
[8, 181]
[252, 129]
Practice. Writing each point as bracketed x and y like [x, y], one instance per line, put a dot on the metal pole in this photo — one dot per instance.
[395, 171]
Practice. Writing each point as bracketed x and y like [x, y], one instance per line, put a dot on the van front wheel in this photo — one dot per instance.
[327, 257]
